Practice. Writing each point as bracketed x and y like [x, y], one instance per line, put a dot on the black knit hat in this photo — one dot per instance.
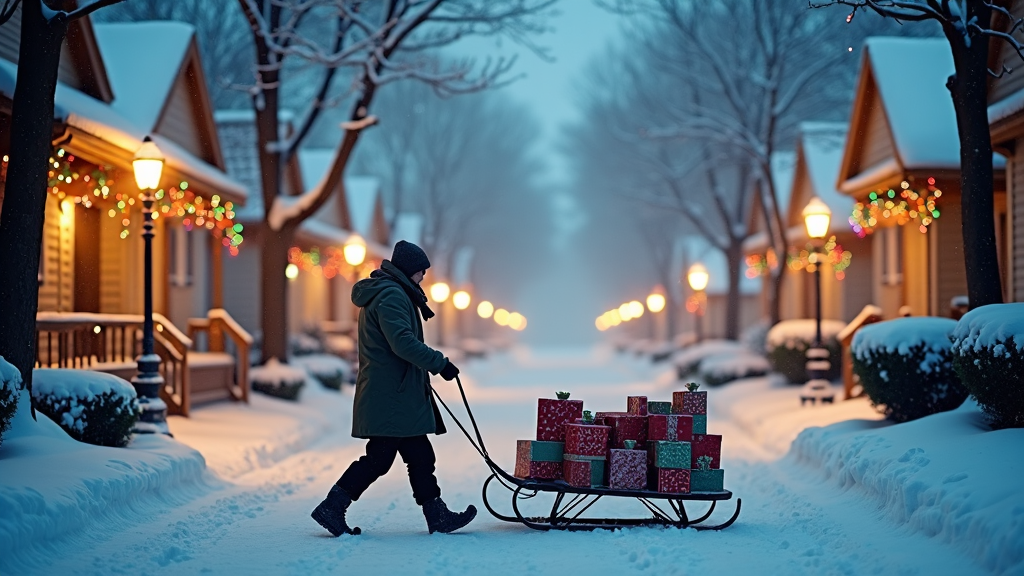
[409, 258]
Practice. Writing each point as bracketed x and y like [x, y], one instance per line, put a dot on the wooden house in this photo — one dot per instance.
[760, 256]
[1006, 124]
[901, 167]
[109, 97]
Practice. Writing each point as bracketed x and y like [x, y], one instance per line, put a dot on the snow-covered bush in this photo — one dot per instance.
[906, 367]
[687, 359]
[10, 382]
[721, 368]
[755, 336]
[988, 355]
[304, 343]
[787, 343]
[662, 351]
[278, 380]
[330, 370]
[92, 407]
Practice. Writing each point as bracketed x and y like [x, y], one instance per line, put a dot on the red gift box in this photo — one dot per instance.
[583, 471]
[672, 427]
[539, 460]
[586, 439]
[671, 480]
[627, 469]
[636, 405]
[627, 427]
[526, 468]
[552, 415]
[691, 403]
[707, 445]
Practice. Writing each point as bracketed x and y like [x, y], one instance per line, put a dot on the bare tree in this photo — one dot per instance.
[760, 66]
[43, 28]
[967, 25]
[377, 43]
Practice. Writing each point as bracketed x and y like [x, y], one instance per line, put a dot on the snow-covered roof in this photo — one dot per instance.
[363, 194]
[408, 227]
[143, 60]
[821, 147]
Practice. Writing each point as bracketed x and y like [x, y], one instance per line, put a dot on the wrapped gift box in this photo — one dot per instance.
[671, 480]
[700, 423]
[707, 480]
[583, 471]
[539, 460]
[692, 403]
[665, 454]
[673, 427]
[552, 415]
[707, 445]
[626, 427]
[627, 469]
[636, 405]
[586, 439]
[659, 408]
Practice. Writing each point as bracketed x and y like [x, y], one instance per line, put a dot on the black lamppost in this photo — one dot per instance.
[148, 165]
[697, 276]
[817, 216]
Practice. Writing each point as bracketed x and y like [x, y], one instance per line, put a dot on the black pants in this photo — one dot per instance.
[418, 455]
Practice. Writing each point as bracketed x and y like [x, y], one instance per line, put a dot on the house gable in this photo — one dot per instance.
[187, 117]
[870, 143]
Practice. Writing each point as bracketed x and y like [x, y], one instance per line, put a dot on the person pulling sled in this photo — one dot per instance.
[393, 408]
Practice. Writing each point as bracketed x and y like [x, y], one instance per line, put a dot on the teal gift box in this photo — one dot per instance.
[583, 471]
[659, 407]
[700, 423]
[707, 480]
[668, 454]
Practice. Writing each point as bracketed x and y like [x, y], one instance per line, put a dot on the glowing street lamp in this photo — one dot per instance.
[636, 309]
[148, 165]
[485, 309]
[461, 299]
[516, 321]
[817, 216]
[697, 276]
[501, 317]
[625, 312]
[291, 271]
[355, 250]
[656, 302]
[439, 292]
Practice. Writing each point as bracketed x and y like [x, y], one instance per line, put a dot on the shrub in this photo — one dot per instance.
[10, 383]
[687, 359]
[754, 337]
[988, 355]
[330, 370]
[787, 344]
[906, 368]
[92, 407]
[721, 368]
[278, 380]
[305, 343]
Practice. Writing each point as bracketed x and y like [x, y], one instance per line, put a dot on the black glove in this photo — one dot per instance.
[450, 371]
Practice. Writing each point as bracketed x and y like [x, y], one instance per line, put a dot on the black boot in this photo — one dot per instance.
[441, 519]
[331, 512]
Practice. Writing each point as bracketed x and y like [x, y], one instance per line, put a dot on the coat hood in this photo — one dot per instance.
[364, 291]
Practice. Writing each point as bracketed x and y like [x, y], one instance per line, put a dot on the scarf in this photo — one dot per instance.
[413, 291]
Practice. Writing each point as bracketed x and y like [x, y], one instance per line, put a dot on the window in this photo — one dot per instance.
[892, 254]
[180, 259]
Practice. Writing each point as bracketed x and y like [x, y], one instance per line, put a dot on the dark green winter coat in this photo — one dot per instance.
[393, 395]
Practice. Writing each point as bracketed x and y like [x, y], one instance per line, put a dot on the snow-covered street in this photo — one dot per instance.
[254, 517]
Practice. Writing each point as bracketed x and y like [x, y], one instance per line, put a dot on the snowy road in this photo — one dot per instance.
[258, 523]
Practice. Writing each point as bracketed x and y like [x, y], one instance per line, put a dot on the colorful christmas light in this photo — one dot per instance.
[899, 207]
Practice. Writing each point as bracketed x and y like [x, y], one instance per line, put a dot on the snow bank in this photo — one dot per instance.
[54, 488]
[10, 377]
[329, 369]
[901, 334]
[687, 359]
[276, 374]
[990, 327]
[721, 368]
[791, 333]
[79, 384]
[945, 475]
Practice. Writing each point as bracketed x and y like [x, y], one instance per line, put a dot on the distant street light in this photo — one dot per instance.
[485, 309]
[656, 302]
[501, 317]
[625, 312]
[355, 250]
[697, 276]
[636, 309]
[439, 292]
[516, 321]
[291, 271]
[148, 165]
[461, 299]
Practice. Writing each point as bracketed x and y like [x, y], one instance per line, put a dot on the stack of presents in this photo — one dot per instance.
[657, 446]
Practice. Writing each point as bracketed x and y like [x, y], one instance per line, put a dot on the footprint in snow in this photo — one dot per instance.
[954, 478]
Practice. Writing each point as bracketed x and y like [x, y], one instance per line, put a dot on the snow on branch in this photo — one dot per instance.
[360, 124]
[8, 10]
[84, 8]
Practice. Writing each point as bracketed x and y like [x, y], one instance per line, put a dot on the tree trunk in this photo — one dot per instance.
[274, 292]
[775, 293]
[969, 89]
[733, 258]
[21, 222]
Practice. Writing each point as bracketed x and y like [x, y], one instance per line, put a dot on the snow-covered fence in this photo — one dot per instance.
[988, 355]
[787, 344]
[905, 366]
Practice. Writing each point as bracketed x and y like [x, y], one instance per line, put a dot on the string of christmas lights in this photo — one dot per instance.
[918, 205]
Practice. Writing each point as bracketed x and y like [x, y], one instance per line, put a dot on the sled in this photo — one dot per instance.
[571, 502]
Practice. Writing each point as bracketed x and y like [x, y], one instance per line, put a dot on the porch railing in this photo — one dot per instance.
[111, 343]
[217, 325]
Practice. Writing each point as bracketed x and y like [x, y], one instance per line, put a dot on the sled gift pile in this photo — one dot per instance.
[656, 446]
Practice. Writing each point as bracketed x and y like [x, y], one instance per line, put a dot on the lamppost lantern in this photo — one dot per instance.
[636, 309]
[817, 216]
[439, 292]
[656, 302]
[461, 299]
[485, 309]
[625, 312]
[355, 250]
[148, 165]
[698, 277]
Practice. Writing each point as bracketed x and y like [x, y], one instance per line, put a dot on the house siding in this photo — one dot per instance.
[877, 141]
[950, 270]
